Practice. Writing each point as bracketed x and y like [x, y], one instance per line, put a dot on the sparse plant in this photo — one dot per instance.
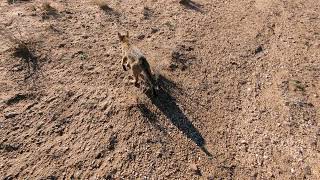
[298, 85]
[170, 25]
[184, 1]
[14, 1]
[102, 4]
[24, 50]
[48, 10]
[83, 56]
[147, 12]
[46, 6]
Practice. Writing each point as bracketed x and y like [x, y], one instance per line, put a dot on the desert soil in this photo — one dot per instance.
[238, 98]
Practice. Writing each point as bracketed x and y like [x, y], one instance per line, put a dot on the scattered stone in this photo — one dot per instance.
[89, 68]
[131, 156]
[8, 115]
[307, 170]
[62, 45]
[8, 178]
[108, 177]
[292, 170]
[105, 104]
[147, 12]
[159, 154]
[195, 169]
[112, 142]
[17, 68]
[100, 155]
[258, 50]
[243, 142]
[10, 147]
[154, 30]
[29, 106]
[52, 178]
[184, 1]
[141, 36]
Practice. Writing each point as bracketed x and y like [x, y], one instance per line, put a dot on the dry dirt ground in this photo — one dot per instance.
[238, 99]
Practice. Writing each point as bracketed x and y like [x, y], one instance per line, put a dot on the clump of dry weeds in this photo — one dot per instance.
[24, 50]
[15, 1]
[48, 10]
[102, 4]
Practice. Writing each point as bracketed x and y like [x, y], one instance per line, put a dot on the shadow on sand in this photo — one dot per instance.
[168, 106]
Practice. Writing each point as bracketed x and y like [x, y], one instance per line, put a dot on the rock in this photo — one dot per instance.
[292, 170]
[112, 142]
[147, 12]
[105, 104]
[141, 36]
[195, 169]
[159, 154]
[154, 30]
[243, 142]
[258, 50]
[108, 177]
[307, 170]
[90, 67]
[8, 115]
[10, 147]
[108, 111]
[185, 2]
[8, 177]
[100, 154]
[52, 177]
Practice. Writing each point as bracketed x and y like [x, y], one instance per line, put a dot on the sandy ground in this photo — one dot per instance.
[239, 96]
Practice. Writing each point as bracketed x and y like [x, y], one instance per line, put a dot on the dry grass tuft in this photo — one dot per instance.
[48, 11]
[24, 50]
[46, 6]
[102, 4]
[15, 1]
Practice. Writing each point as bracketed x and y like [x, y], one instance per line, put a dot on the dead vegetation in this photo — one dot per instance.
[24, 50]
[110, 12]
[102, 5]
[48, 10]
[15, 1]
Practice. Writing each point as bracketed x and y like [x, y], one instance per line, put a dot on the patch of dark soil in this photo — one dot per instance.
[182, 57]
[16, 98]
